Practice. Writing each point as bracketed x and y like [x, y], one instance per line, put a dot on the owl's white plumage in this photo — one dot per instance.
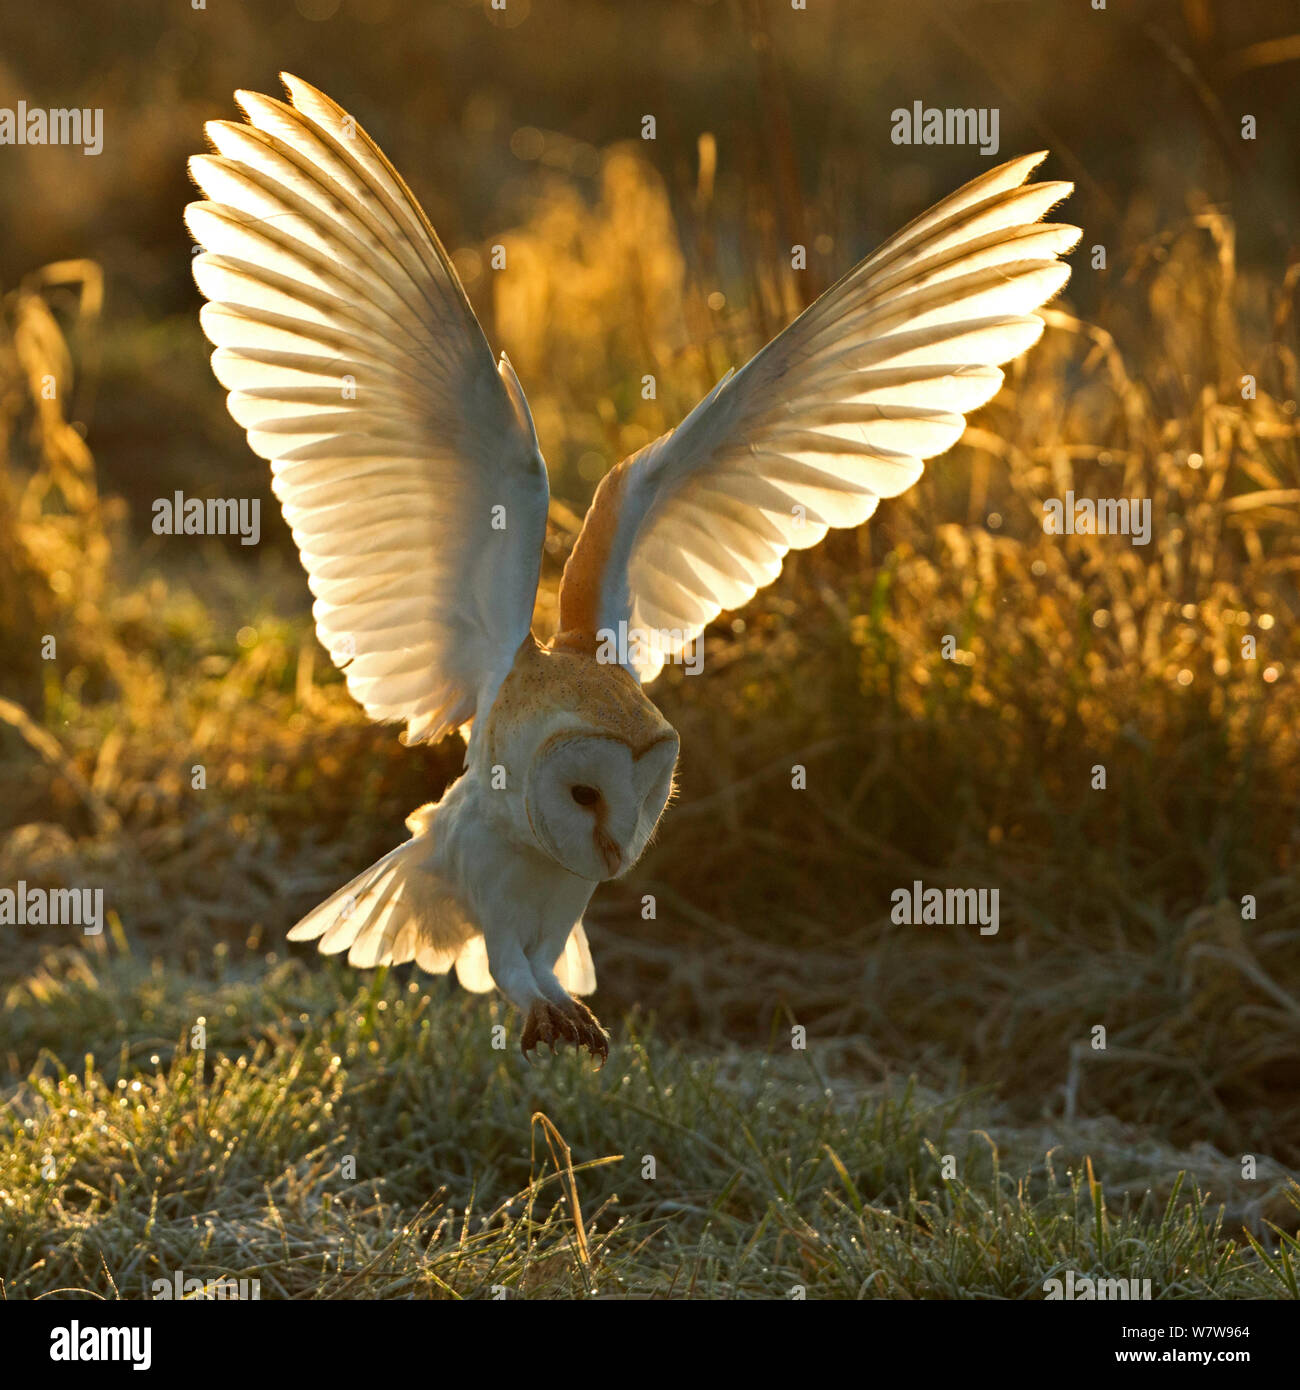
[409, 472]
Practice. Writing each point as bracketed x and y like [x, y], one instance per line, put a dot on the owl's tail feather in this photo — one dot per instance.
[399, 909]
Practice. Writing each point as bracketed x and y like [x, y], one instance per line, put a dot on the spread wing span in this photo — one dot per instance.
[833, 414]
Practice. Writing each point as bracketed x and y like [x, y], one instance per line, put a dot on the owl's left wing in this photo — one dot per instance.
[404, 458]
[835, 413]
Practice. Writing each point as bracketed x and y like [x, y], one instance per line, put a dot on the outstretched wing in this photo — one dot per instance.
[405, 461]
[835, 413]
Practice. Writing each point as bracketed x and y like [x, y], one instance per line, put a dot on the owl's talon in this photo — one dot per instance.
[590, 1034]
[547, 1024]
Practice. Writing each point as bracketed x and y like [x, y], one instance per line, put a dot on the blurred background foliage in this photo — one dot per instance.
[627, 257]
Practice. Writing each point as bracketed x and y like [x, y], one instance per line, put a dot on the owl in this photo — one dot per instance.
[408, 468]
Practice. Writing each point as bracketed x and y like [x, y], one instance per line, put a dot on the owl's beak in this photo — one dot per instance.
[608, 851]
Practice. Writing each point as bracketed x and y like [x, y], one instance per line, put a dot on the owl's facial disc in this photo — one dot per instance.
[593, 804]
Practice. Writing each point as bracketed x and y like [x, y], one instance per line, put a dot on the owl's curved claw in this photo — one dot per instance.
[590, 1034]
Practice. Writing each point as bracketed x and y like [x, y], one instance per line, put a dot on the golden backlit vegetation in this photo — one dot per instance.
[1173, 376]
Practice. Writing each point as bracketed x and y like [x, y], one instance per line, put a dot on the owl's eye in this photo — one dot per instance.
[585, 796]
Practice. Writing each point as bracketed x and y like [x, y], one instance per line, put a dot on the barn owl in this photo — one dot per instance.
[408, 468]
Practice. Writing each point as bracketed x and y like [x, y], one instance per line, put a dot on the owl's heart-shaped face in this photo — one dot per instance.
[593, 802]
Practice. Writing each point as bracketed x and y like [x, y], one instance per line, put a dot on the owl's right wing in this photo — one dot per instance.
[833, 414]
[404, 459]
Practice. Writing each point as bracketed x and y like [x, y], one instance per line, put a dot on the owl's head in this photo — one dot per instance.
[593, 799]
[588, 759]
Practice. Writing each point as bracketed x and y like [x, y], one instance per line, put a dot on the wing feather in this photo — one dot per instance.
[404, 459]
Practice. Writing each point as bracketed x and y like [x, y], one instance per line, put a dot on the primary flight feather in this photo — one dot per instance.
[408, 469]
